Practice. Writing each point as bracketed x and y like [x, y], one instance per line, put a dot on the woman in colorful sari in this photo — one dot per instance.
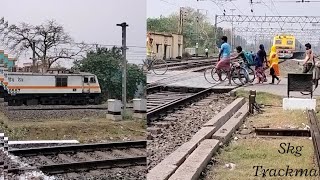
[274, 65]
[261, 59]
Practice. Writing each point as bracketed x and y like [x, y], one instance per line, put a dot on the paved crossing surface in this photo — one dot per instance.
[280, 89]
[197, 80]
[185, 79]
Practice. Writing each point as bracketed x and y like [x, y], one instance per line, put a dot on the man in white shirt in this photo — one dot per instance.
[206, 50]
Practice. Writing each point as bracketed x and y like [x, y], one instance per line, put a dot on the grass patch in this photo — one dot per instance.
[262, 97]
[246, 153]
[85, 130]
[276, 117]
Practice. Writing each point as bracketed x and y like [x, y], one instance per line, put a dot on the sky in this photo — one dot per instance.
[156, 8]
[261, 7]
[91, 21]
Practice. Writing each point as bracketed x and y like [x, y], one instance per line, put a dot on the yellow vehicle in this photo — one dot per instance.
[286, 45]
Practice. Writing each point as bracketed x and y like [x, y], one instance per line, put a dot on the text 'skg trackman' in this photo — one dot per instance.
[285, 148]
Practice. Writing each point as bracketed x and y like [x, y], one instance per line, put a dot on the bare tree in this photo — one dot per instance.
[51, 41]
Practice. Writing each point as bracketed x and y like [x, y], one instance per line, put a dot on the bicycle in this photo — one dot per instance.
[314, 82]
[158, 66]
[239, 74]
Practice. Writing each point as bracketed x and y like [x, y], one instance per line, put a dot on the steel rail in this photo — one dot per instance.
[85, 166]
[282, 132]
[315, 132]
[57, 108]
[170, 106]
[76, 148]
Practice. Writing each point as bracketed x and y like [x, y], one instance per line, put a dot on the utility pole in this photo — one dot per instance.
[215, 33]
[197, 32]
[124, 26]
[232, 38]
[33, 56]
[255, 42]
[183, 18]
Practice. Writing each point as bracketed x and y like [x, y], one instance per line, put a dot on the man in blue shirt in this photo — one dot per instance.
[224, 59]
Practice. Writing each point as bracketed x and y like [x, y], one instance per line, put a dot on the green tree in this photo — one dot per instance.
[170, 24]
[106, 65]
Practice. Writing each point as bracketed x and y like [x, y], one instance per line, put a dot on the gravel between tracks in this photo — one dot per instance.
[57, 106]
[188, 122]
[82, 155]
[14, 162]
[134, 173]
[54, 114]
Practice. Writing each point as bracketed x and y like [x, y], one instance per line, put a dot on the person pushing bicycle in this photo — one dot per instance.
[245, 56]
[311, 66]
[240, 54]
[224, 59]
[309, 60]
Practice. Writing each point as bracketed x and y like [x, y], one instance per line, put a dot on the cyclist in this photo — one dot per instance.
[224, 62]
[246, 57]
[240, 54]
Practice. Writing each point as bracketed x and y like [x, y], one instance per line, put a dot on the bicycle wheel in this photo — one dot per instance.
[239, 76]
[309, 93]
[159, 66]
[214, 75]
[251, 73]
[313, 87]
[305, 93]
[208, 75]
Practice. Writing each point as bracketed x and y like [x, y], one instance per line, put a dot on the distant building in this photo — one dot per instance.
[8, 62]
[166, 46]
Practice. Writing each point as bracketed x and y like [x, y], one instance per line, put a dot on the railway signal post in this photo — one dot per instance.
[34, 57]
[124, 26]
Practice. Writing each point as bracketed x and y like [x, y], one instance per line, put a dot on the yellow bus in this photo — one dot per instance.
[286, 45]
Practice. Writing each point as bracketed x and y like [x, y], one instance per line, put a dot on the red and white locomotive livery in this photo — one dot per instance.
[52, 88]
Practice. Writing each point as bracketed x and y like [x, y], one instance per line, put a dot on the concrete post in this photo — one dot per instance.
[140, 108]
[114, 109]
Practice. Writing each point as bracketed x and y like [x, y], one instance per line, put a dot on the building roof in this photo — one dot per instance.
[51, 74]
[163, 34]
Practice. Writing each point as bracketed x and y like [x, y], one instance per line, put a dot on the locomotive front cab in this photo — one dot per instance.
[91, 84]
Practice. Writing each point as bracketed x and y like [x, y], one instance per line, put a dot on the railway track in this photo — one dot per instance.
[197, 66]
[190, 65]
[53, 111]
[183, 61]
[282, 132]
[177, 113]
[34, 108]
[165, 100]
[78, 158]
[193, 65]
[315, 134]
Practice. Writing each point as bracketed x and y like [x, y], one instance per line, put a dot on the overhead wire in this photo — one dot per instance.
[168, 2]
[274, 7]
[222, 10]
[237, 8]
[269, 7]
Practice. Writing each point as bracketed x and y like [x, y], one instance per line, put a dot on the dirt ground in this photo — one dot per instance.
[237, 160]
[290, 66]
